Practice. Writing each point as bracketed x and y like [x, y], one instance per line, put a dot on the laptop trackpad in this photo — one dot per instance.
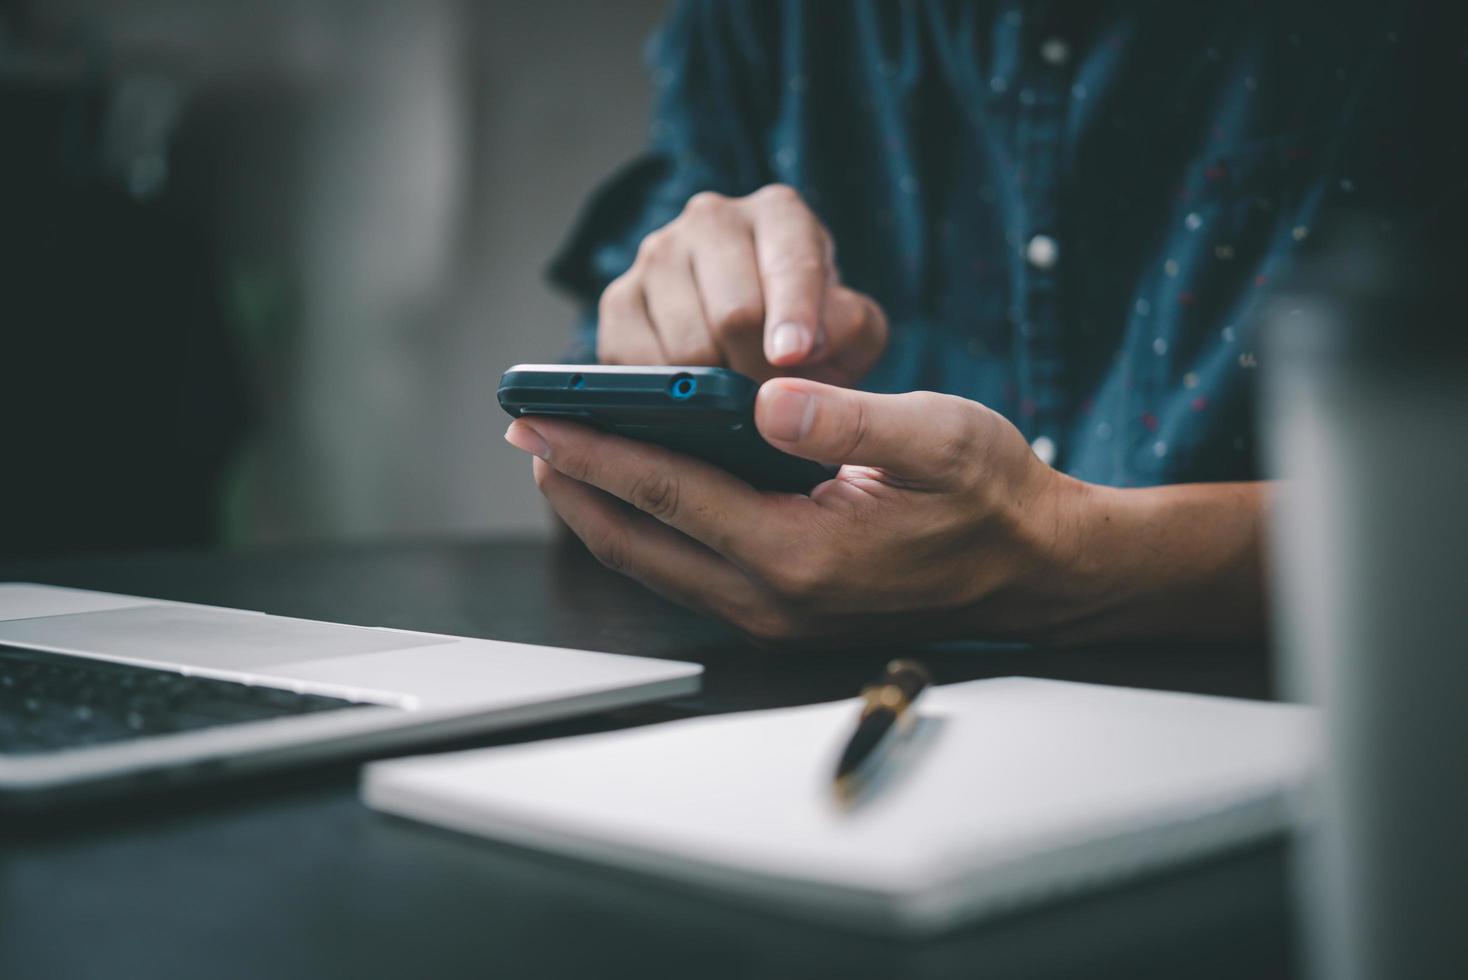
[203, 637]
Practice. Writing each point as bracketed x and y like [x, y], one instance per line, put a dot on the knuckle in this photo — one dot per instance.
[610, 549]
[802, 579]
[780, 195]
[615, 299]
[575, 462]
[706, 203]
[955, 429]
[542, 475]
[855, 435]
[970, 422]
[655, 246]
[656, 493]
[950, 460]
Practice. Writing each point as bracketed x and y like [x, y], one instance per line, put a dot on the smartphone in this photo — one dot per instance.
[702, 411]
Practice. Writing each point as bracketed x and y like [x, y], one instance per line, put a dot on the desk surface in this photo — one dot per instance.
[289, 876]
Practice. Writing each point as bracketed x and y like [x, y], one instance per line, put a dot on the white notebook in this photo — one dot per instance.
[1010, 791]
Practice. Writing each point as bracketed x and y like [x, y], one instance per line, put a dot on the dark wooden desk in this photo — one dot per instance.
[291, 877]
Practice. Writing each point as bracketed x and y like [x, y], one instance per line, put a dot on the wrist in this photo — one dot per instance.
[1069, 583]
[1048, 580]
[1153, 562]
[1085, 578]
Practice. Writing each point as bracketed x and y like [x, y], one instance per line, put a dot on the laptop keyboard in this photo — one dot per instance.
[54, 701]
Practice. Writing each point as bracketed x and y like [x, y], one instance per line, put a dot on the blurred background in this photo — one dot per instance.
[265, 262]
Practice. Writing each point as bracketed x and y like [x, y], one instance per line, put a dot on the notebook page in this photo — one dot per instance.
[999, 769]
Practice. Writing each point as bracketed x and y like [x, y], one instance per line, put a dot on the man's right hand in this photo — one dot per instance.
[748, 283]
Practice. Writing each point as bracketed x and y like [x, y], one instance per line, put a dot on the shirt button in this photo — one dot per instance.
[1055, 51]
[1042, 252]
[1044, 448]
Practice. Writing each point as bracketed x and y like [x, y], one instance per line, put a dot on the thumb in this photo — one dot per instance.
[920, 436]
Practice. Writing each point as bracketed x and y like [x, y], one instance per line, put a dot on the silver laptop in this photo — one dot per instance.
[102, 692]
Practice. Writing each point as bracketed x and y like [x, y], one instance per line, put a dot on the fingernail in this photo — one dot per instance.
[523, 437]
[788, 414]
[789, 340]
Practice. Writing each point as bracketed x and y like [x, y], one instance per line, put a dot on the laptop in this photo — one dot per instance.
[104, 693]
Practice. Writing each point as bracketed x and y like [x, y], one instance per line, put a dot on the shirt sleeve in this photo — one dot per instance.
[707, 132]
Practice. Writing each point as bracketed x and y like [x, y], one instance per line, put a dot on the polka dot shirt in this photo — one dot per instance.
[1071, 212]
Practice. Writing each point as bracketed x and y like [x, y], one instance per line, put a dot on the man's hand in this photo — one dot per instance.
[748, 283]
[939, 510]
[940, 523]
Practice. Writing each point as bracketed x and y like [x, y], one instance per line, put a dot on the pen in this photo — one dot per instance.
[885, 717]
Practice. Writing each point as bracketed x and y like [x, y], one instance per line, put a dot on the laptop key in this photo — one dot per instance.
[52, 701]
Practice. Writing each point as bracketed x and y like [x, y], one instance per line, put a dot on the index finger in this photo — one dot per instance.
[709, 505]
[793, 256]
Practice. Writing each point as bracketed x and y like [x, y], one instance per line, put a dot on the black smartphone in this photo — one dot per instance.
[702, 411]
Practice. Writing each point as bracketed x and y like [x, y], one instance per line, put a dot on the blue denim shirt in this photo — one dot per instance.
[1069, 211]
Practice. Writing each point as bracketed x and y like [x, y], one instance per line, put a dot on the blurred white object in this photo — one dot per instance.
[1367, 409]
[1012, 791]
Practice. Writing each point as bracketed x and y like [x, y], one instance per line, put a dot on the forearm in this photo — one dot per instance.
[1172, 562]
